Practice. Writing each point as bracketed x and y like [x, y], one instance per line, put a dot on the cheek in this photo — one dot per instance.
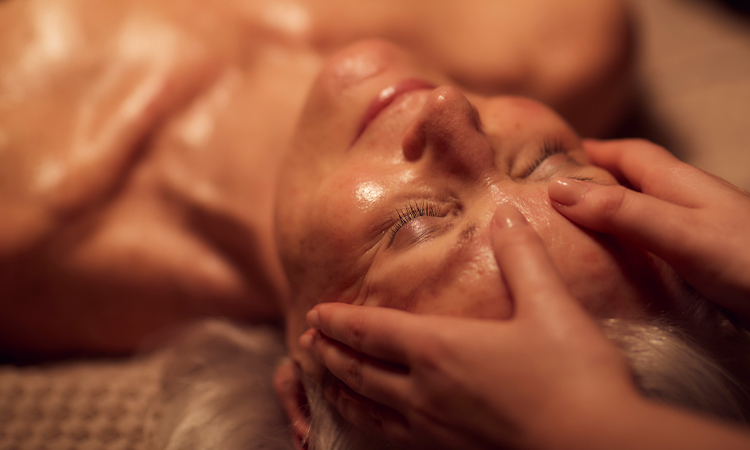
[592, 272]
[341, 205]
[584, 265]
[472, 289]
[590, 265]
[475, 290]
[469, 285]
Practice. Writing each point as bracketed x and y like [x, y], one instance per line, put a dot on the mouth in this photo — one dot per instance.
[386, 97]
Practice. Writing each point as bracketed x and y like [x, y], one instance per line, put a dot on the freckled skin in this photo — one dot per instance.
[140, 140]
[428, 146]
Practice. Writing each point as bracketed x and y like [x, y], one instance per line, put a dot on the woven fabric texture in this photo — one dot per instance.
[78, 405]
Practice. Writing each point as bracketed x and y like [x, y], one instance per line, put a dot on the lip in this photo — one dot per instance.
[386, 96]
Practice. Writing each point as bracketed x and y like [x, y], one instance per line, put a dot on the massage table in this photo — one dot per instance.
[693, 97]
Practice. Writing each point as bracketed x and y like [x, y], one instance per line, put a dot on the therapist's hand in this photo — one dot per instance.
[697, 222]
[444, 382]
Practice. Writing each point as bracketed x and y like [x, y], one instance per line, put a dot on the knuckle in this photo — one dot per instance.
[610, 203]
[345, 404]
[376, 419]
[429, 363]
[353, 374]
[356, 331]
[429, 354]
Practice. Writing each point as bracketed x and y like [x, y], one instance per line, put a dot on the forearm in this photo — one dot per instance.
[644, 425]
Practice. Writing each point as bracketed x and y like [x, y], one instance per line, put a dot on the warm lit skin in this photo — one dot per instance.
[460, 154]
[341, 192]
[139, 143]
[395, 371]
[140, 140]
[695, 221]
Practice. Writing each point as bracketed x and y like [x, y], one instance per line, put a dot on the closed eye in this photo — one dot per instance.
[410, 212]
[550, 148]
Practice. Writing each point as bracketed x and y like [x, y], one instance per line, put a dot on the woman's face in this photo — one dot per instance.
[392, 181]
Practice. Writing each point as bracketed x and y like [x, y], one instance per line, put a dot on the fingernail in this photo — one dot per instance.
[313, 319]
[306, 340]
[507, 216]
[565, 191]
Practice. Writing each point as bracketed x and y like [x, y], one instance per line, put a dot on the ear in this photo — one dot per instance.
[287, 383]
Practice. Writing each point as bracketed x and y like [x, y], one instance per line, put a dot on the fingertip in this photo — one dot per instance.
[525, 266]
[313, 318]
[566, 191]
[507, 216]
[306, 340]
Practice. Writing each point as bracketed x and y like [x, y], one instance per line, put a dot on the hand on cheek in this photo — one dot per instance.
[695, 221]
[443, 382]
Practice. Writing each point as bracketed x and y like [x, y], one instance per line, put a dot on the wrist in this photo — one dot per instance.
[632, 422]
[591, 423]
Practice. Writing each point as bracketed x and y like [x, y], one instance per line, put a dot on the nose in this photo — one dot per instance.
[448, 131]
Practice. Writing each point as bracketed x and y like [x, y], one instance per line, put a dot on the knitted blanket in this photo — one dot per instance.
[79, 405]
[211, 388]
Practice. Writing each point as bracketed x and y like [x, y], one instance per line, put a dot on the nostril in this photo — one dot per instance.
[414, 141]
[437, 123]
[449, 130]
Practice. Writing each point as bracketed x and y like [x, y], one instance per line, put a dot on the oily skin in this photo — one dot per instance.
[140, 140]
[462, 154]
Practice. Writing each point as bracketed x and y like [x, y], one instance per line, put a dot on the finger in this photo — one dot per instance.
[378, 381]
[656, 225]
[651, 169]
[287, 389]
[371, 416]
[531, 277]
[377, 332]
[630, 159]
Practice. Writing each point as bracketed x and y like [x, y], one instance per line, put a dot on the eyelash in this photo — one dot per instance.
[412, 211]
[550, 148]
[431, 209]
